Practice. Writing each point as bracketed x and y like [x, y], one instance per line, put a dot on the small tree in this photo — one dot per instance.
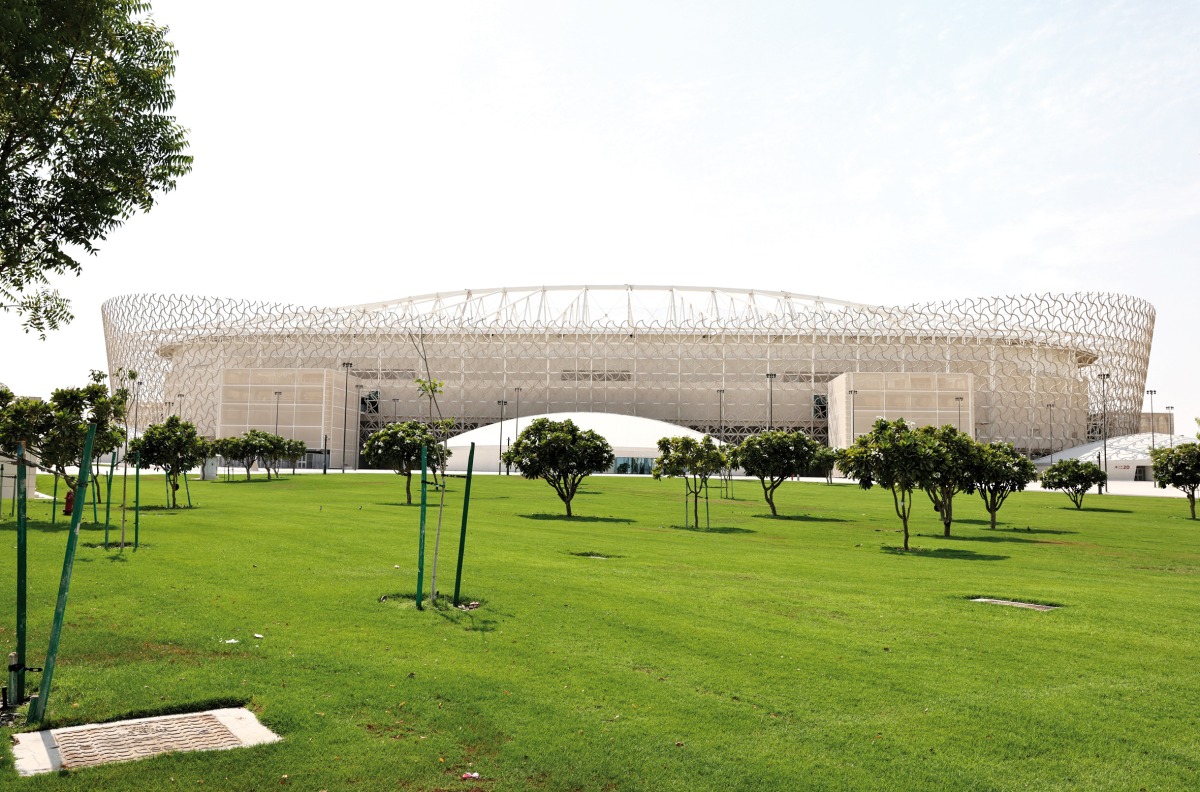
[891, 455]
[1075, 477]
[998, 471]
[236, 450]
[695, 461]
[773, 457]
[173, 446]
[398, 446]
[1179, 467]
[560, 453]
[294, 451]
[824, 461]
[951, 452]
[263, 447]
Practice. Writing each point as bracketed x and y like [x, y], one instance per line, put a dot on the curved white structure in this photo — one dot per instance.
[723, 361]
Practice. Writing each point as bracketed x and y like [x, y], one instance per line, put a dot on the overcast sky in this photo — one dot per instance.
[872, 152]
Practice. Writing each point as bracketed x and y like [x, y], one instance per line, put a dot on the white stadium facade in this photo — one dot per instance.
[1043, 371]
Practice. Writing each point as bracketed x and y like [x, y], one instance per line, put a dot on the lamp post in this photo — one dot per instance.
[1104, 416]
[357, 420]
[395, 407]
[852, 393]
[1051, 406]
[770, 400]
[500, 442]
[1171, 412]
[345, 410]
[170, 404]
[958, 400]
[180, 397]
[517, 430]
[277, 395]
[1151, 393]
[721, 412]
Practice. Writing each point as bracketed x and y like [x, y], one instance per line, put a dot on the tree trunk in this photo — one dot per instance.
[992, 512]
[408, 486]
[568, 502]
[1192, 503]
[696, 508]
[771, 501]
[947, 516]
[904, 519]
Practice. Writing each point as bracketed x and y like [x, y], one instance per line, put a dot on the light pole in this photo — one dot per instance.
[357, 420]
[170, 404]
[180, 397]
[1171, 412]
[770, 400]
[395, 407]
[1051, 406]
[517, 430]
[277, 395]
[1104, 416]
[1151, 393]
[345, 410]
[852, 393]
[721, 396]
[500, 442]
[958, 403]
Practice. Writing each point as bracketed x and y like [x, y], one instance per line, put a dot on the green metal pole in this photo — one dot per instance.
[112, 467]
[707, 521]
[54, 504]
[16, 677]
[95, 492]
[187, 489]
[421, 542]
[137, 496]
[462, 537]
[37, 712]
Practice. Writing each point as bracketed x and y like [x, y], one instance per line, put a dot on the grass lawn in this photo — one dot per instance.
[795, 653]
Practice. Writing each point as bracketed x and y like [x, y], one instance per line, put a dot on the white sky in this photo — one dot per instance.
[863, 151]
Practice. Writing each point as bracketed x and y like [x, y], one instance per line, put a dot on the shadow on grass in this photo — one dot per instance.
[943, 552]
[723, 529]
[575, 518]
[798, 518]
[990, 537]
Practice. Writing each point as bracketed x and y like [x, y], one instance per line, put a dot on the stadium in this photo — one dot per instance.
[1044, 371]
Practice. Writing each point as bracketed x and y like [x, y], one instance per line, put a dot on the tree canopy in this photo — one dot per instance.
[86, 138]
[949, 472]
[695, 461]
[775, 456]
[1179, 467]
[398, 446]
[560, 453]
[998, 471]
[172, 445]
[1074, 477]
[891, 455]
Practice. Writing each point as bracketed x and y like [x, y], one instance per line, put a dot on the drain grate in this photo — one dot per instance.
[1014, 604]
[123, 741]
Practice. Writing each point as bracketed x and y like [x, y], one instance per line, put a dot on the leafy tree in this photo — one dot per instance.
[1073, 476]
[1178, 467]
[824, 461]
[398, 446]
[891, 455]
[695, 461]
[263, 447]
[951, 452]
[560, 453]
[235, 450]
[85, 138]
[294, 451]
[773, 457]
[54, 432]
[998, 471]
[173, 446]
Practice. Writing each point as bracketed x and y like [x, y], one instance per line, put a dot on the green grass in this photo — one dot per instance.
[799, 653]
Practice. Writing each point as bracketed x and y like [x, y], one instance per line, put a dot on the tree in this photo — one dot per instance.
[173, 446]
[998, 471]
[1073, 476]
[891, 455]
[235, 450]
[85, 138]
[824, 461]
[560, 453]
[294, 451]
[773, 457]
[950, 474]
[1178, 467]
[398, 446]
[263, 447]
[695, 461]
[54, 432]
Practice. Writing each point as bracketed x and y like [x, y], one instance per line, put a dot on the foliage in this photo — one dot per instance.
[1073, 476]
[891, 455]
[695, 461]
[773, 457]
[256, 445]
[1178, 467]
[85, 138]
[824, 461]
[173, 446]
[951, 452]
[398, 446]
[294, 451]
[560, 453]
[54, 432]
[998, 471]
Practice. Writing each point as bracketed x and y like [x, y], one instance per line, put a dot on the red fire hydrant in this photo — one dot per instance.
[69, 503]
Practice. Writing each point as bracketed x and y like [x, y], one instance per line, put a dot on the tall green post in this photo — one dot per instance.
[421, 541]
[54, 502]
[187, 489]
[462, 537]
[137, 497]
[16, 676]
[37, 711]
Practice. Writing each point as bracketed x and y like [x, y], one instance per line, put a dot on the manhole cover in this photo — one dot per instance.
[85, 746]
[1015, 604]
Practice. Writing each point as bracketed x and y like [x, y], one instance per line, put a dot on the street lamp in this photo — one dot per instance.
[1051, 406]
[345, 410]
[395, 407]
[959, 401]
[1104, 415]
[852, 394]
[500, 442]
[1171, 412]
[170, 404]
[721, 396]
[357, 421]
[770, 400]
[180, 397]
[1151, 393]
[277, 395]
[517, 430]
